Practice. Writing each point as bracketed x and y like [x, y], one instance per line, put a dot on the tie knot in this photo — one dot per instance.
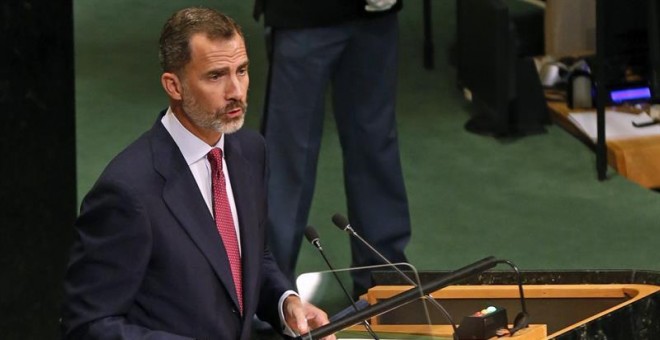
[215, 158]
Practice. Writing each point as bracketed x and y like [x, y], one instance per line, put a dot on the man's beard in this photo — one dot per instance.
[218, 120]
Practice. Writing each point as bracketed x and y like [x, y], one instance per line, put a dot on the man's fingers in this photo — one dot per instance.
[304, 316]
[301, 320]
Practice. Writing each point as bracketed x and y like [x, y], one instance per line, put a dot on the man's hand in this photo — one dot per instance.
[302, 317]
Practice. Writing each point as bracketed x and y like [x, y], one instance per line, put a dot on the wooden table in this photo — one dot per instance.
[637, 159]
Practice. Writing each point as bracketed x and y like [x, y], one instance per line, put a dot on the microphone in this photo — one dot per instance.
[521, 320]
[342, 223]
[403, 298]
[313, 238]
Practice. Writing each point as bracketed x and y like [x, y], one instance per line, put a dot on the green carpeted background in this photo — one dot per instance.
[535, 200]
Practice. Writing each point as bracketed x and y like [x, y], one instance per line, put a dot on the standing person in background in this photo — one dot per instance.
[350, 45]
[170, 241]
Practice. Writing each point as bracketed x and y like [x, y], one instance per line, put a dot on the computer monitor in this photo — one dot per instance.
[506, 93]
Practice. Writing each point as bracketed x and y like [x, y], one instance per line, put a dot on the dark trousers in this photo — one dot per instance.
[358, 59]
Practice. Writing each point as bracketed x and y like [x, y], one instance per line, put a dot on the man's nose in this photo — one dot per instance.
[235, 89]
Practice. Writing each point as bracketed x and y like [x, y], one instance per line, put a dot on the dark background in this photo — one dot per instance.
[38, 172]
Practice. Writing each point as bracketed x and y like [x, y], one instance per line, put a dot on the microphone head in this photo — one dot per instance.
[311, 234]
[340, 221]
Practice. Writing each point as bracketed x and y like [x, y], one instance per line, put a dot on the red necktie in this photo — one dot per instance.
[225, 222]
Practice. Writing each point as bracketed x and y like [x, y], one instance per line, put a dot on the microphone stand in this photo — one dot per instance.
[402, 298]
[340, 221]
[313, 237]
[522, 319]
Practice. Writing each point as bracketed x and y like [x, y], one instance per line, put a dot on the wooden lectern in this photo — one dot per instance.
[562, 305]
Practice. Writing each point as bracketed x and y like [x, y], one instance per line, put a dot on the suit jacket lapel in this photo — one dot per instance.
[182, 196]
[242, 183]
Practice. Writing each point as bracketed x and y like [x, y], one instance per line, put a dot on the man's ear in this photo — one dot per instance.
[171, 84]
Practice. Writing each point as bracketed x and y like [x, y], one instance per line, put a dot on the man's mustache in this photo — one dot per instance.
[233, 106]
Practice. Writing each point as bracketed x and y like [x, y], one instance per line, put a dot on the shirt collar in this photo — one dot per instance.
[191, 146]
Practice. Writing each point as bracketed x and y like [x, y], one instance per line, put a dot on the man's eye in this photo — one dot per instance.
[243, 71]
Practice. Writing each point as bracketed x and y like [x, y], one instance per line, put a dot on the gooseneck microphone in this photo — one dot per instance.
[521, 320]
[403, 298]
[342, 223]
[313, 238]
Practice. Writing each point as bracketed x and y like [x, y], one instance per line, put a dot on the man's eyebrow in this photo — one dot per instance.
[224, 70]
[219, 70]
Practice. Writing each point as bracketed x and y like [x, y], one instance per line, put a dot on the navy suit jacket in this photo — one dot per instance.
[147, 260]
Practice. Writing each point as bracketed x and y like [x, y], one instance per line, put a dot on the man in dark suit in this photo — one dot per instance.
[170, 240]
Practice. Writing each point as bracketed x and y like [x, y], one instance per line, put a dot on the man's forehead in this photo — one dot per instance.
[205, 49]
[202, 37]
